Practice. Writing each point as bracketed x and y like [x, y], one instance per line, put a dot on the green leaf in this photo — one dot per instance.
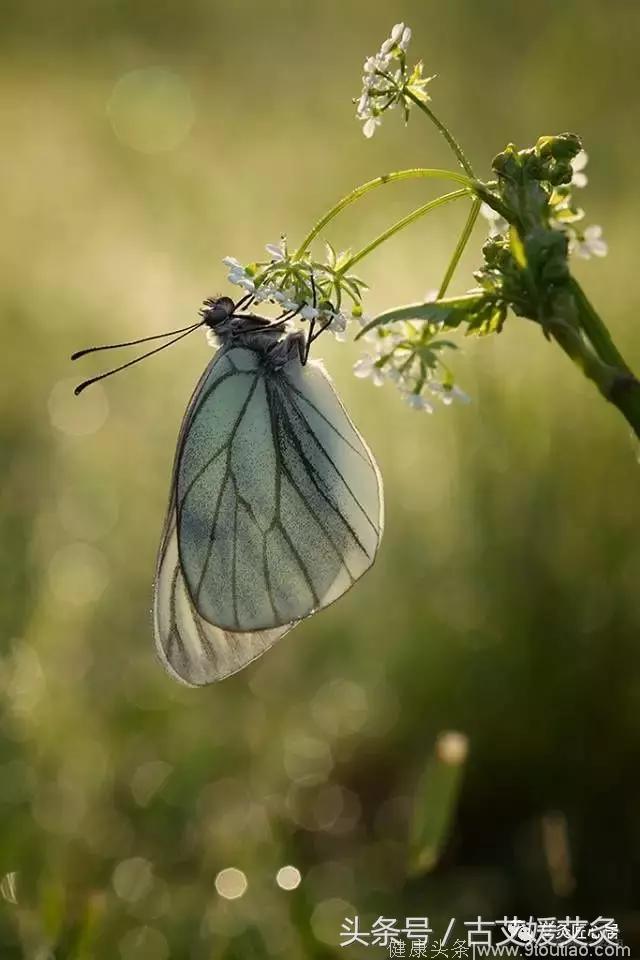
[449, 312]
[436, 801]
[490, 319]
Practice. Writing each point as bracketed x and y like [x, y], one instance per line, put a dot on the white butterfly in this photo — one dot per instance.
[276, 504]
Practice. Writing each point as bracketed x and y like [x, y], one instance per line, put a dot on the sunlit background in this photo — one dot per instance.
[484, 679]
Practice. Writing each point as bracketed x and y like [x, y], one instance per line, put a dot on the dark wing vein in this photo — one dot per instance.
[315, 479]
[302, 396]
[205, 467]
[303, 568]
[223, 484]
[310, 432]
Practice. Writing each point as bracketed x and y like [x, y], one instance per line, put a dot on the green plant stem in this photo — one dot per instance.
[411, 174]
[401, 224]
[446, 133]
[459, 250]
[581, 334]
[595, 329]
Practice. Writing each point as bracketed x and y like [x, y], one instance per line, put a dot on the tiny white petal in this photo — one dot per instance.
[232, 262]
[362, 368]
[370, 127]
[397, 31]
[580, 160]
[386, 47]
[405, 39]
[275, 251]
[308, 312]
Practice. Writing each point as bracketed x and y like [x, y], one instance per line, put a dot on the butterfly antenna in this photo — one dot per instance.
[184, 333]
[133, 343]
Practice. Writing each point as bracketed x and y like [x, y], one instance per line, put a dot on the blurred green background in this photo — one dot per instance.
[503, 605]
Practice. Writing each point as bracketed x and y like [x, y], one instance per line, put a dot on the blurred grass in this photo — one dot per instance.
[504, 602]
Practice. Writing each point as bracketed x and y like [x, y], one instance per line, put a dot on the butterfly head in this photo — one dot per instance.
[216, 312]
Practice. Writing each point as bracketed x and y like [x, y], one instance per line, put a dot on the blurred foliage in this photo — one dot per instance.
[504, 603]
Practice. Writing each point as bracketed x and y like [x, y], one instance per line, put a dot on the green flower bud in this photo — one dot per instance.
[564, 146]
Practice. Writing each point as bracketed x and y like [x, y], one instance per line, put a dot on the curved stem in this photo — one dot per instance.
[579, 331]
[411, 174]
[453, 143]
[401, 224]
[595, 329]
[459, 250]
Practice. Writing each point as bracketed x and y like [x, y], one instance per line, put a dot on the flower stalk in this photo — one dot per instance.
[535, 227]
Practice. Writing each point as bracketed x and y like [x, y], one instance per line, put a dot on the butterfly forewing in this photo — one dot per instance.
[278, 511]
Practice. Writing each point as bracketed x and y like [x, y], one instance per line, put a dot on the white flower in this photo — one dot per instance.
[338, 326]
[386, 79]
[366, 367]
[284, 298]
[275, 251]
[405, 39]
[416, 401]
[370, 125]
[590, 243]
[308, 312]
[579, 162]
[497, 223]
[238, 274]
[448, 393]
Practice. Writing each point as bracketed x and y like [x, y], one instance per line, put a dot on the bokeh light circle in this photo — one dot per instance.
[231, 883]
[133, 879]
[78, 574]
[288, 878]
[452, 747]
[74, 416]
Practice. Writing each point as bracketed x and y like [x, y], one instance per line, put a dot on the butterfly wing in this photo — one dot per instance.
[276, 511]
[190, 648]
[330, 513]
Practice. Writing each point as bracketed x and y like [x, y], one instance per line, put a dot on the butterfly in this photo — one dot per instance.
[276, 502]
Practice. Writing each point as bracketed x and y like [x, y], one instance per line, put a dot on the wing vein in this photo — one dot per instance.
[315, 478]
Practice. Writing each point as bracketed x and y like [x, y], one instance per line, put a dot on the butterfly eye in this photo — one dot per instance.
[217, 310]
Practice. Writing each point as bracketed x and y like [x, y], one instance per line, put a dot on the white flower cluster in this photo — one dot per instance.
[296, 300]
[588, 243]
[401, 356]
[585, 243]
[579, 162]
[386, 80]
